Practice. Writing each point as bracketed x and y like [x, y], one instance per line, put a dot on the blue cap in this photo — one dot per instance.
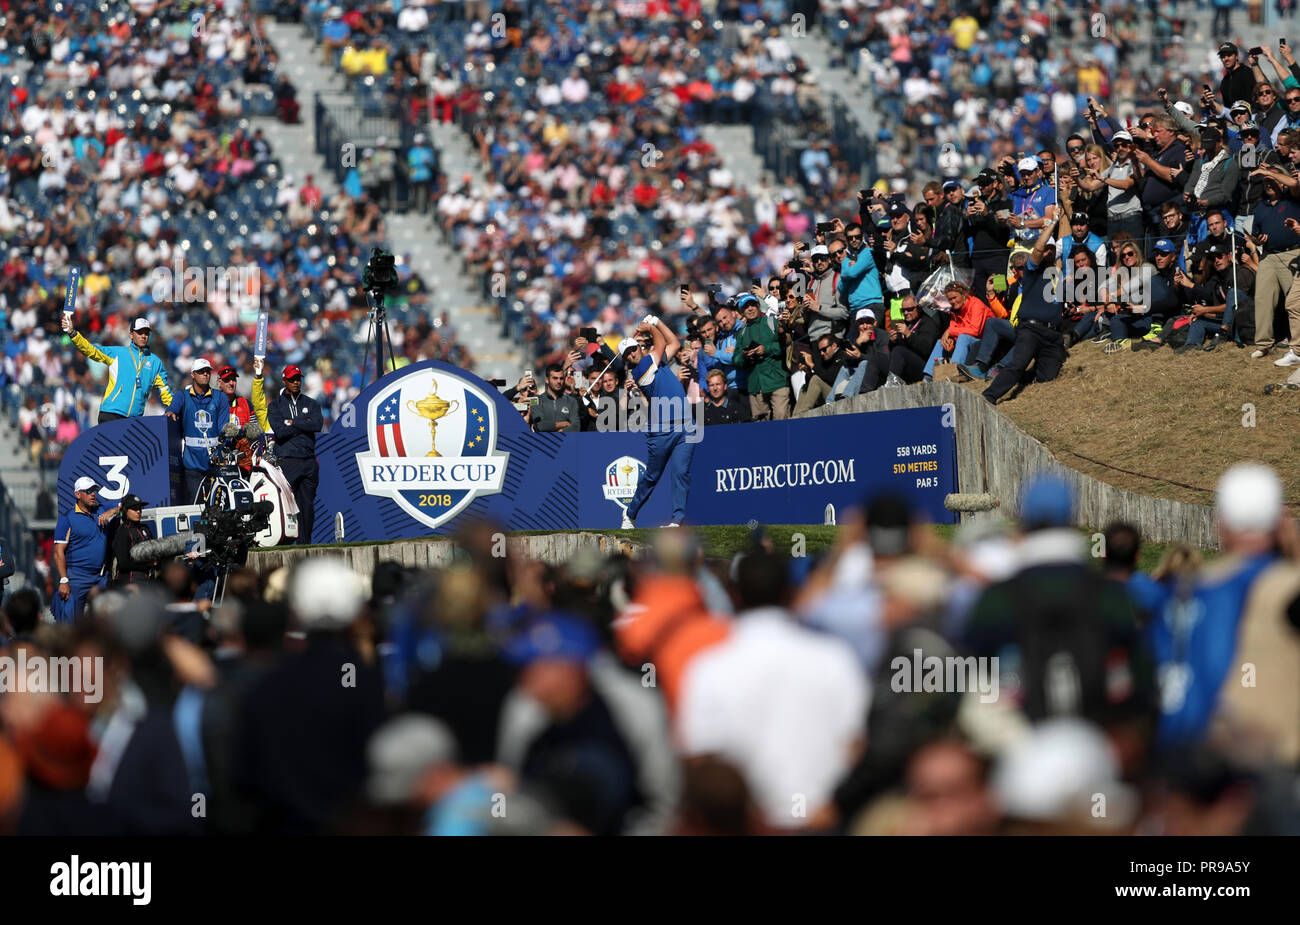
[951, 184]
[1165, 246]
[1047, 501]
[744, 299]
[554, 636]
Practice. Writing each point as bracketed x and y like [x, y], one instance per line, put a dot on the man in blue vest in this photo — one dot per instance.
[80, 546]
[203, 412]
[1195, 637]
[666, 443]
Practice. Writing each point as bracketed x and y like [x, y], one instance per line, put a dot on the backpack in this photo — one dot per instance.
[1064, 651]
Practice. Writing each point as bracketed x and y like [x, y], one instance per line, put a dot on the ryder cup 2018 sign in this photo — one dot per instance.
[430, 446]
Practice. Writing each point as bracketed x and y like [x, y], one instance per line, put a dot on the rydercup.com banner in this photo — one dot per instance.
[431, 444]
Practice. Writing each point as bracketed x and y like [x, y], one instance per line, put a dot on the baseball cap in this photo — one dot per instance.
[1249, 127]
[1028, 163]
[985, 177]
[85, 483]
[401, 752]
[898, 209]
[1047, 502]
[1210, 134]
[950, 185]
[1249, 497]
[133, 503]
[819, 251]
[1184, 108]
[227, 372]
[141, 324]
[325, 594]
[1227, 48]
[627, 344]
[1164, 246]
[1121, 136]
[1215, 250]
[291, 372]
[1241, 106]
[1079, 218]
[200, 365]
[555, 636]
[864, 313]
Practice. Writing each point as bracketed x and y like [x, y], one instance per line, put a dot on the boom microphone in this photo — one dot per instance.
[253, 431]
[163, 548]
[231, 430]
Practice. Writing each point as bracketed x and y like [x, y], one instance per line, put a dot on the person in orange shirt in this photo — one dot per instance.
[666, 625]
[965, 325]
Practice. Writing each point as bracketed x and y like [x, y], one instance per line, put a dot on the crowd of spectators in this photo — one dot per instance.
[676, 693]
[129, 153]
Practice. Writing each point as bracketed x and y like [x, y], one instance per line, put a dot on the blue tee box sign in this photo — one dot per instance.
[430, 444]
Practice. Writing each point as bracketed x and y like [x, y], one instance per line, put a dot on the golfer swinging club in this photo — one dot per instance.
[666, 443]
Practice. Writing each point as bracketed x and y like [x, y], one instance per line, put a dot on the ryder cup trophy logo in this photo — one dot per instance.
[621, 477]
[432, 446]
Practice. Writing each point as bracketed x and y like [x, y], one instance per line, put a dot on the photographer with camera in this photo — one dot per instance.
[862, 346]
[203, 413]
[1212, 181]
[1165, 160]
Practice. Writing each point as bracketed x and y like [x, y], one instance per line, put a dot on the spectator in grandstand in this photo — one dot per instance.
[203, 413]
[295, 421]
[759, 347]
[132, 371]
[1276, 225]
[556, 410]
[826, 363]
[967, 315]
[80, 547]
[724, 407]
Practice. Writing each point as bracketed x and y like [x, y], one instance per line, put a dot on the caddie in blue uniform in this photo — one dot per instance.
[80, 546]
[203, 412]
[666, 443]
[132, 371]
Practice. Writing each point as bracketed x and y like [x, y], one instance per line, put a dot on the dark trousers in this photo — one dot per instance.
[106, 416]
[1035, 343]
[906, 364]
[193, 482]
[303, 475]
[877, 370]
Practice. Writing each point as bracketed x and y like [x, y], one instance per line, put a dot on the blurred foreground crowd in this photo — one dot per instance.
[1003, 682]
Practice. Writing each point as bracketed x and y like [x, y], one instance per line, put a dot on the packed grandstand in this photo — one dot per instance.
[926, 190]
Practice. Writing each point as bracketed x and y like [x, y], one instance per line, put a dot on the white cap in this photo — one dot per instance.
[819, 251]
[1184, 108]
[1121, 136]
[1053, 773]
[141, 324]
[325, 594]
[402, 752]
[85, 483]
[627, 344]
[1029, 163]
[1249, 497]
[200, 365]
[864, 313]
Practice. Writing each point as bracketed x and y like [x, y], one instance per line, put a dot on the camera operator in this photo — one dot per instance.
[130, 532]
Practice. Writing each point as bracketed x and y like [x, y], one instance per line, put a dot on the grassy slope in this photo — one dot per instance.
[1170, 418]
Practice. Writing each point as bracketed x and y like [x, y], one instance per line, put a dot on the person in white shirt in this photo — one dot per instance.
[575, 89]
[786, 705]
[413, 19]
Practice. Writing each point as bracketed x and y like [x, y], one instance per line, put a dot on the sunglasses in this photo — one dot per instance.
[1130, 254]
[855, 237]
[1074, 150]
[1293, 99]
[1263, 93]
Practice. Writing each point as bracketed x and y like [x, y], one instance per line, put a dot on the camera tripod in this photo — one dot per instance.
[378, 331]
